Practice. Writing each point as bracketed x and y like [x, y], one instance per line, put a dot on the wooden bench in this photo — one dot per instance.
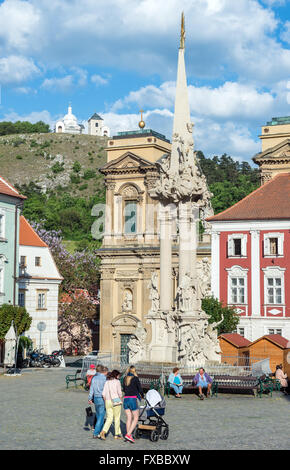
[188, 385]
[150, 381]
[238, 383]
[73, 378]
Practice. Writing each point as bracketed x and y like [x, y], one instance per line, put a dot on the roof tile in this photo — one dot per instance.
[270, 201]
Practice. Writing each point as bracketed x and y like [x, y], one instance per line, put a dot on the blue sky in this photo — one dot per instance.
[116, 56]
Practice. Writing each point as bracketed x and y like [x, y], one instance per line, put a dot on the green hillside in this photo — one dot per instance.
[64, 162]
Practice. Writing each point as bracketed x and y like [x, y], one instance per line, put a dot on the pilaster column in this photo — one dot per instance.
[165, 258]
[255, 273]
[215, 264]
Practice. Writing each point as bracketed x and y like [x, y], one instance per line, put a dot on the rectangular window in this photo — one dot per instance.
[237, 290]
[241, 331]
[273, 246]
[41, 300]
[274, 290]
[275, 331]
[23, 261]
[237, 247]
[1, 226]
[130, 225]
[37, 261]
[21, 298]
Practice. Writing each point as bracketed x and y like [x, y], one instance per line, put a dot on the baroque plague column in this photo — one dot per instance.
[181, 333]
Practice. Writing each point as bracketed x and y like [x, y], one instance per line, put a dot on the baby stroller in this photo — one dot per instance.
[150, 418]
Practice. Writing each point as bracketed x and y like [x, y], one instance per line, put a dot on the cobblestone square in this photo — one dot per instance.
[38, 412]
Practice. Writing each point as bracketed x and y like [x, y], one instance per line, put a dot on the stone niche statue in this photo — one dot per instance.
[128, 301]
[137, 344]
[153, 293]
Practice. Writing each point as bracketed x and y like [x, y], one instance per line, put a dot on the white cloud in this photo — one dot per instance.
[99, 80]
[33, 117]
[230, 100]
[18, 24]
[17, 69]
[222, 35]
[58, 84]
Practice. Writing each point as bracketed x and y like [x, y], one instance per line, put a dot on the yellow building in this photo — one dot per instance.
[130, 252]
[275, 155]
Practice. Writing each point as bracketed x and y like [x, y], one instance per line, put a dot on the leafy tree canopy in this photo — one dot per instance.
[216, 311]
[23, 127]
[19, 315]
[228, 180]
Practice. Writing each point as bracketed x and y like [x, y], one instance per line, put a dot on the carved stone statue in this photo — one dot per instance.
[186, 294]
[204, 277]
[211, 341]
[128, 301]
[137, 344]
[153, 292]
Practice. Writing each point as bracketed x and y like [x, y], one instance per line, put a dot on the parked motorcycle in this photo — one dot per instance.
[38, 359]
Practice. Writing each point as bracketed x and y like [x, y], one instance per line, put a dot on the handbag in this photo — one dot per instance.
[116, 401]
[89, 412]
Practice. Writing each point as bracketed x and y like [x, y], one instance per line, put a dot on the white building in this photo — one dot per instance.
[96, 126]
[39, 281]
[69, 124]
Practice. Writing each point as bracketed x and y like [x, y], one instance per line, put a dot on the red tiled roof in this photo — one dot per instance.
[284, 342]
[7, 188]
[27, 236]
[235, 339]
[270, 201]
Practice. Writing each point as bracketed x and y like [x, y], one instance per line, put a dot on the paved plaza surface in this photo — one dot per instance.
[37, 412]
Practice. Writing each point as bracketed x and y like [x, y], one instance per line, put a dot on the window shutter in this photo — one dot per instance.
[266, 246]
[244, 245]
[230, 247]
[280, 246]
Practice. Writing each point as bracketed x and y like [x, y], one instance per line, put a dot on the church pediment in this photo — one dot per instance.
[277, 153]
[129, 162]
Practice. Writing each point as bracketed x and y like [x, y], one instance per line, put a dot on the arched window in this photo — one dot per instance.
[131, 198]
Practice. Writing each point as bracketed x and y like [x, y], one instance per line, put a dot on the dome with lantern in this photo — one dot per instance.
[69, 124]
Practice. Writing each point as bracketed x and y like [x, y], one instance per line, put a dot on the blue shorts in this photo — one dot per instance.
[130, 404]
[202, 383]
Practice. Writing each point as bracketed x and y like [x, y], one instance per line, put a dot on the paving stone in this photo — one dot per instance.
[37, 412]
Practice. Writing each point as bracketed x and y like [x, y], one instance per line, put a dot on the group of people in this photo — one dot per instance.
[202, 380]
[106, 394]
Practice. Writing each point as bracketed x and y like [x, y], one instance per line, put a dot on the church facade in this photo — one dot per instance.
[130, 252]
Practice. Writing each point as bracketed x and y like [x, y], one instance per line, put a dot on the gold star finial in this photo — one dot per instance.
[182, 34]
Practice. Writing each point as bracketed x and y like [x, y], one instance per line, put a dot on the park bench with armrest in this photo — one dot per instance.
[237, 383]
[188, 384]
[73, 378]
[266, 385]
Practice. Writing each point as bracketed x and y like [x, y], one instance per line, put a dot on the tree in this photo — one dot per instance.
[22, 320]
[74, 321]
[216, 310]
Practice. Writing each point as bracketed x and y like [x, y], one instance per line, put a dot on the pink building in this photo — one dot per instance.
[251, 259]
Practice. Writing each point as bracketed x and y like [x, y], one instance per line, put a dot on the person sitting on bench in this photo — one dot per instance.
[176, 382]
[203, 380]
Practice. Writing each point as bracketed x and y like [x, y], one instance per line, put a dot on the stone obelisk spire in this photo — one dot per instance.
[182, 124]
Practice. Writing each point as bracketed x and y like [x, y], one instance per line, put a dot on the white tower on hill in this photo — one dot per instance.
[96, 126]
